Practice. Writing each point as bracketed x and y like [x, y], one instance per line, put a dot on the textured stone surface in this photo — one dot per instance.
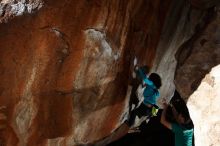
[12, 8]
[204, 108]
[197, 56]
[64, 69]
[180, 26]
[65, 66]
[204, 4]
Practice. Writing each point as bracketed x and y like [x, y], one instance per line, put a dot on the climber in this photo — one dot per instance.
[135, 83]
[150, 93]
[182, 126]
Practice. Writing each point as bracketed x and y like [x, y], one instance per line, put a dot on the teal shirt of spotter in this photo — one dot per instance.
[183, 136]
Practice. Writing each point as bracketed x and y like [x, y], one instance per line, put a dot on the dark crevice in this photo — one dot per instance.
[187, 48]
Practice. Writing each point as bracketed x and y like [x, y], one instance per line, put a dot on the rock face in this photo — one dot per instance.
[204, 108]
[65, 66]
[198, 55]
[64, 70]
[12, 8]
[188, 48]
[204, 4]
[196, 58]
[181, 23]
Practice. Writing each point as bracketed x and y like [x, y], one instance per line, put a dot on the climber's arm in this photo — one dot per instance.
[144, 77]
[163, 118]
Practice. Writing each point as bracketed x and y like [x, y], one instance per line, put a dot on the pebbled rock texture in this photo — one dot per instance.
[204, 108]
[12, 8]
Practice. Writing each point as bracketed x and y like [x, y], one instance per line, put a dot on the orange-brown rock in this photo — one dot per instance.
[65, 66]
[64, 69]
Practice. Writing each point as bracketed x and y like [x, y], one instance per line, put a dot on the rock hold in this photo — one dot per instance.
[12, 8]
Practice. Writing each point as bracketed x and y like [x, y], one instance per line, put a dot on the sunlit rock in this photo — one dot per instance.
[204, 109]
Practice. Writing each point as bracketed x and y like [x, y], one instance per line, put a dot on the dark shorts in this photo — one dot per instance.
[141, 111]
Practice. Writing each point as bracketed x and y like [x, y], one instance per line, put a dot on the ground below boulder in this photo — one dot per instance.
[152, 134]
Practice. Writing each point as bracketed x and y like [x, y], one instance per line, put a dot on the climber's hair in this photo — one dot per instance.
[155, 78]
[183, 110]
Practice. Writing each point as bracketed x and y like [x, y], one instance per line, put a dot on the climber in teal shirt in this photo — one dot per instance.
[151, 93]
[152, 84]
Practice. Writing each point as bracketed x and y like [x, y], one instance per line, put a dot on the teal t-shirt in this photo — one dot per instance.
[150, 92]
[183, 136]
